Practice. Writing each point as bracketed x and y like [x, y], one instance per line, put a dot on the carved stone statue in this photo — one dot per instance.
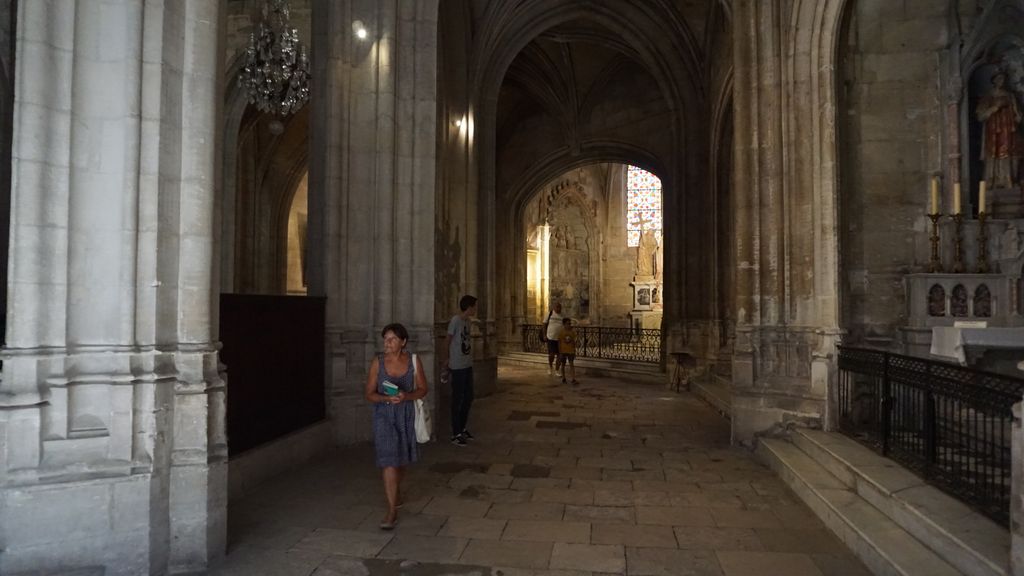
[1002, 145]
[645, 252]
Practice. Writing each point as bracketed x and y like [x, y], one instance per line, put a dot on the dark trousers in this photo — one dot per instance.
[462, 398]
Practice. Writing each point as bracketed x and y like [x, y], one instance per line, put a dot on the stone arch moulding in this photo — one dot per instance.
[235, 103]
[672, 59]
[546, 171]
[825, 18]
[721, 141]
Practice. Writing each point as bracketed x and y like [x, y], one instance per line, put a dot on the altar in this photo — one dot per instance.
[994, 349]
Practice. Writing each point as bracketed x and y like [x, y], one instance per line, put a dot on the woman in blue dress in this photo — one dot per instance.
[392, 386]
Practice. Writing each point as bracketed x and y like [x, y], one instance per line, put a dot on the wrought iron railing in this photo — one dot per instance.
[611, 343]
[952, 425]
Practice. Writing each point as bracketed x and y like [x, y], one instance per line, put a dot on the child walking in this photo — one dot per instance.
[567, 350]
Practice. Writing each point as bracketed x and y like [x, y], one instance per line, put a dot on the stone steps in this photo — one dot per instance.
[893, 521]
[716, 391]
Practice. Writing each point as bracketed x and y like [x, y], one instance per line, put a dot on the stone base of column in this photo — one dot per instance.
[781, 378]
[126, 472]
[101, 524]
[766, 413]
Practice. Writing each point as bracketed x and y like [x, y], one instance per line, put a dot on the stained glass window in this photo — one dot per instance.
[643, 204]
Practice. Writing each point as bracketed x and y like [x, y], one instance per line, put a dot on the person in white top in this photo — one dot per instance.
[553, 329]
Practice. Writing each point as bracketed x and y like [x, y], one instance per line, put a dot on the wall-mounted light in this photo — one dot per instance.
[359, 29]
[458, 122]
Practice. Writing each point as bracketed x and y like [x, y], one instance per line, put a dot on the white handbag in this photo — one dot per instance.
[422, 414]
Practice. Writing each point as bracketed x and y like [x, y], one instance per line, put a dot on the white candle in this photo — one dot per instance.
[981, 197]
[956, 198]
[935, 195]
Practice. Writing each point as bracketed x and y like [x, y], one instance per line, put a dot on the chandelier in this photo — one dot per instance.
[276, 71]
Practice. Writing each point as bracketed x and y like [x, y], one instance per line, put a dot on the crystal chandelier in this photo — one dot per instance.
[276, 71]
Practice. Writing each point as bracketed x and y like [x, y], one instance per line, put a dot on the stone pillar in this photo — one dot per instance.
[372, 162]
[112, 424]
[785, 186]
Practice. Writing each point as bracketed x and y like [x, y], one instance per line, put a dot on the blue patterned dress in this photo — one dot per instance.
[394, 425]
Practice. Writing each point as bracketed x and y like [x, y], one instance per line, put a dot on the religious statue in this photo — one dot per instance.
[645, 252]
[1002, 145]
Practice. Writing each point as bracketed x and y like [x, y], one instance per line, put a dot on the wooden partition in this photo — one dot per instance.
[274, 352]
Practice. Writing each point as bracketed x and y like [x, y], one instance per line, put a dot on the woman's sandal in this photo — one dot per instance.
[385, 525]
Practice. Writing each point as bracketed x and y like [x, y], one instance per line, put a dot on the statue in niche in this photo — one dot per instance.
[557, 239]
[1002, 145]
[645, 253]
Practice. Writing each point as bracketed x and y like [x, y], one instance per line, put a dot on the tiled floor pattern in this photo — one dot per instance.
[610, 477]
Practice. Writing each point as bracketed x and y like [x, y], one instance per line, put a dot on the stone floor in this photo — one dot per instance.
[608, 477]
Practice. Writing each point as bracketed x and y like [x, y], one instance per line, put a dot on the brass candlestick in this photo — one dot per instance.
[982, 244]
[935, 265]
[958, 247]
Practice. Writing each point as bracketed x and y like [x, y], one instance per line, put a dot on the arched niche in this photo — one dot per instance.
[993, 49]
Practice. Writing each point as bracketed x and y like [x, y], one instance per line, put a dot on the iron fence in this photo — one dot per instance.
[612, 343]
[952, 425]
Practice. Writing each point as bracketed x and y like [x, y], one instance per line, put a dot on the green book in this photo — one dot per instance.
[389, 389]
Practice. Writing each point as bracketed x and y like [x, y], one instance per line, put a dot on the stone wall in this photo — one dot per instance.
[890, 129]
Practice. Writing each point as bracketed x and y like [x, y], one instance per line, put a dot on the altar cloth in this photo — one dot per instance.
[950, 342]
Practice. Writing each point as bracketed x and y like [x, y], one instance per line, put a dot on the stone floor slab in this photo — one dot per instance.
[705, 538]
[564, 496]
[254, 561]
[477, 528]
[653, 459]
[590, 557]
[800, 540]
[527, 511]
[674, 516]
[508, 553]
[600, 514]
[345, 542]
[666, 562]
[767, 564]
[424, 548]
[633, 535]
[742, 518]
[547, 531]
[448, 506]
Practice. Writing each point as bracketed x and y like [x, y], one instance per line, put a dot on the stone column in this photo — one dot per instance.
[112, 418]
[786, 257]
[372, 159]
